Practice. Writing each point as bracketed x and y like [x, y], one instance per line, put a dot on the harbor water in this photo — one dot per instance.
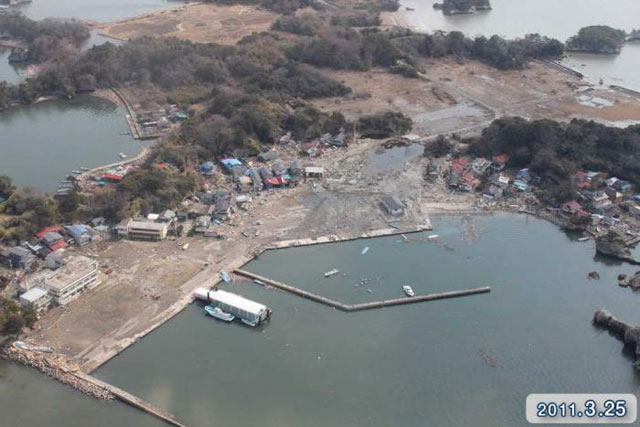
[92, 10]
[30, 399]
[452, 362]
[42, 143]
[552, 18]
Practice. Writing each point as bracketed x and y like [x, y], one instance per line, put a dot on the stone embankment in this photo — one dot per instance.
[614, 247]
[56, 367]
[630, 335]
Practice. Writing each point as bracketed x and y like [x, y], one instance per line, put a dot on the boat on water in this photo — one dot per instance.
[225, 276]
[408, 290]
[122, 156]
[331, 272]
[250, 312]
[84, 168]
[218, 313]
[583, 239]
[259, 282]
[433, 236]
[364, 250]
[249, 323]
[76, 172]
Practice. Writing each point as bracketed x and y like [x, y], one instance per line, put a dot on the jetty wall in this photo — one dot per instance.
[566, 69]
[364, 306]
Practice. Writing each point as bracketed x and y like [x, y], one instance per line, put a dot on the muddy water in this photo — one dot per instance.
[468, 361]
[553, 18]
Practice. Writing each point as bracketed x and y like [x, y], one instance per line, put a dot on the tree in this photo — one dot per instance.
[6, 186]
[440, 147]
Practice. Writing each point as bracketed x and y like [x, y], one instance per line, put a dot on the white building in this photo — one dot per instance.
[77, 274]
[38, 298]
[147, 230]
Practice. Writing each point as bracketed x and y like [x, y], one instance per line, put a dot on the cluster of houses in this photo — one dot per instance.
[273, 174]
[319, 146]
[48, 241]
[465, 174]
[208, 211]
[599, 197]
[161, 118]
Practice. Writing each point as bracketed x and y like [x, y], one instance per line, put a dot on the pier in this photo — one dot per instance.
[131, 400]
[363, 306]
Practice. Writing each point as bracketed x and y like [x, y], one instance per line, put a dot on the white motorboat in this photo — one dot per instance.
[408, 290]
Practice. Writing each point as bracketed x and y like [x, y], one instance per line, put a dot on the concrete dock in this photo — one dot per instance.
[364, 306]
[132, 400]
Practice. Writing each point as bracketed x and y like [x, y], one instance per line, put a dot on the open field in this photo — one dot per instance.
[453, 97]
[203, 23]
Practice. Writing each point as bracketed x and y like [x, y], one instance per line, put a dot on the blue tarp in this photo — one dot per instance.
[231, 163]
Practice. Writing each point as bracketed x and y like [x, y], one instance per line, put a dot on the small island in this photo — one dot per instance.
[459, 7]
[597, 39]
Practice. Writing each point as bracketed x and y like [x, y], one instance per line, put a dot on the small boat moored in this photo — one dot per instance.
[364, 250]
[219, 313]
[123, 156]
[408, 290]
[583, 239]
[331, 272]
[225, 276]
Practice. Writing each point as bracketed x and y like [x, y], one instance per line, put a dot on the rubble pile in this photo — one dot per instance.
[55, 367]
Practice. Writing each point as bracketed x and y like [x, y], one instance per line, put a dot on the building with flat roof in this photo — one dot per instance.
[37, 298]
[392, 206]
[77, 274]
[147, 230]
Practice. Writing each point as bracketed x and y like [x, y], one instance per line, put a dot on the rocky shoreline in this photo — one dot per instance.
[630, 335]
[614, 247]
[56, 367]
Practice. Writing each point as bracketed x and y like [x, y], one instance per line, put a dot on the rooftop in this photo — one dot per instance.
[74, 269]
[237, 301]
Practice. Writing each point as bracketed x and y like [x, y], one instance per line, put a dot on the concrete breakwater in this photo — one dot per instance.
[630, 335]
[364, 306]
[54, 367]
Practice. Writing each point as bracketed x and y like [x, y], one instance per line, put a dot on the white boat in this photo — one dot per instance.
[123, 156]
[408, 290]
[84, 168]
[433, 236]
[331, 272]
[24, 346]
[583, 239]
[365, 250]
[247, 322]
[259, 282]
[218, 313]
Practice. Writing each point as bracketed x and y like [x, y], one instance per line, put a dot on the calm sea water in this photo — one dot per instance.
[30, 399]
[41, 144]
[553, 18]
[424, 364]
[93, 10]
